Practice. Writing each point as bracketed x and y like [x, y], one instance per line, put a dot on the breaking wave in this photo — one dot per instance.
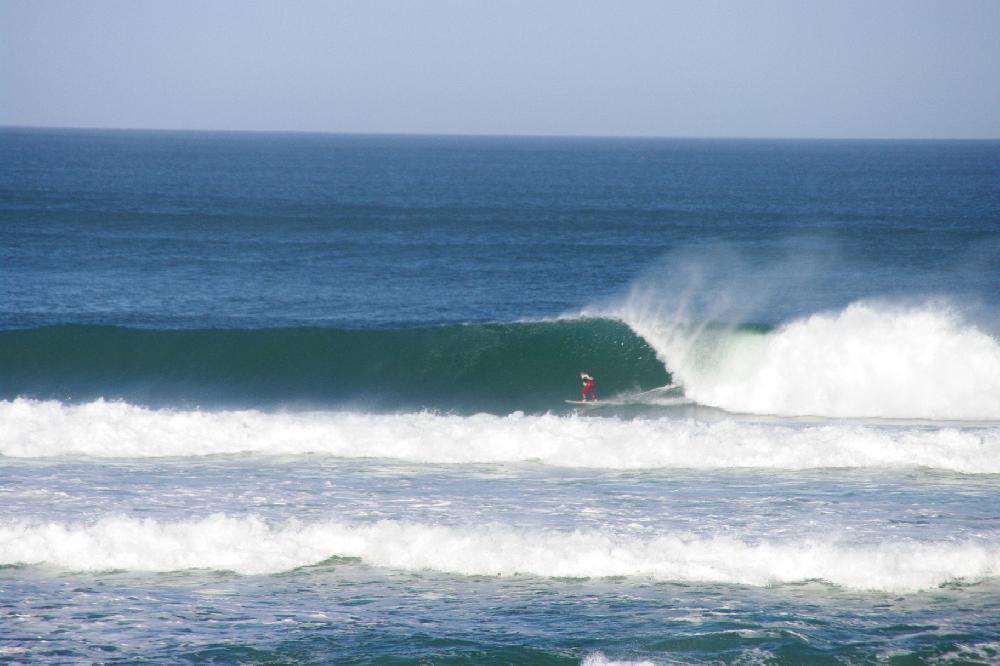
[249, 545]
[868, 360]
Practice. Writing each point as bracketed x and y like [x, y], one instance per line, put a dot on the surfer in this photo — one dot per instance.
[588, 387]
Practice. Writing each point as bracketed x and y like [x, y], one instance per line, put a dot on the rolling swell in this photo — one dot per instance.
[495, 368]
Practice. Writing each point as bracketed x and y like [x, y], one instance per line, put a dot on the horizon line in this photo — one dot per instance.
[488, 135]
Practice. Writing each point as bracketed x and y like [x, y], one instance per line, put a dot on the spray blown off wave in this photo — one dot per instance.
[865, 361]
[101, 429]
[251, 546]
[496, 368]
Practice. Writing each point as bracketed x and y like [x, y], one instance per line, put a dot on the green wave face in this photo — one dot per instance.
[495, 368]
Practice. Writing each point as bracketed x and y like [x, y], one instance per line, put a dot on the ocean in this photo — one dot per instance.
[302, 398]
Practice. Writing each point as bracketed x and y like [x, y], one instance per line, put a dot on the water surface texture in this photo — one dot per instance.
[293, 398]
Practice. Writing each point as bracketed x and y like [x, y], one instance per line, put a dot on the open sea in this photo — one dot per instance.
[301, 398]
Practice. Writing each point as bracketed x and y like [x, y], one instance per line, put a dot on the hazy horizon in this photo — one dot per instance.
[623, 137]
[924, 69]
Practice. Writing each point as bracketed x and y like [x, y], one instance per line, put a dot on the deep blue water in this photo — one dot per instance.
[295, 398]
[175, 229]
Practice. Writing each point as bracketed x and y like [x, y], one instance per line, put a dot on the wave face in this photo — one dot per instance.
[868, 360]
[118, 430]
[497, 368]
[249, 545]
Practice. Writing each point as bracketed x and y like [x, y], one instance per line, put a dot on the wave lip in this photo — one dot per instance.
[100, 429]
[868, 361]
[248, 545]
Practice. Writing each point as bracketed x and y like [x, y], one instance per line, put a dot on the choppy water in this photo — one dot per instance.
[295, 398]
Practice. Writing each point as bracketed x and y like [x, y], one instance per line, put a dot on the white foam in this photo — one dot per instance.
[116, 430]
[869, 360]
[248, 545]
[598, 659]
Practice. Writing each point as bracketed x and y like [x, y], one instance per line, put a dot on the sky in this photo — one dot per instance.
[705, 68]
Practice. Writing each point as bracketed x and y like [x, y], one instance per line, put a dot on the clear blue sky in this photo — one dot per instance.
[749, 68]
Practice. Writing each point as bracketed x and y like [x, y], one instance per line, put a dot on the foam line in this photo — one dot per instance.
[118, 430]
[248, 545]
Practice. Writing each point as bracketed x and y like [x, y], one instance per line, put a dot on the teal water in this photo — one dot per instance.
[271, 398]
[476, 367]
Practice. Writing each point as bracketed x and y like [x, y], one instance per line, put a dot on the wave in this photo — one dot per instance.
[249, 545]
[497, 368]
[115, 430]
[868, 360]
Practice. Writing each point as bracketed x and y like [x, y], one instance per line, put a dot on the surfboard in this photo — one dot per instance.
[581, 402]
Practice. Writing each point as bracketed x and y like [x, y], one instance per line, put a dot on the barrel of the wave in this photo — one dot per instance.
[495, 368]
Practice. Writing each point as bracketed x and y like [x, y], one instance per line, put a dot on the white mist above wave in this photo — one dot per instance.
[119, 430]
[248, 545]
[868, 360]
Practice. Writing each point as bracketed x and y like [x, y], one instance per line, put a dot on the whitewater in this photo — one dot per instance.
[871, 359]
[250, 546]
[118, 430]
